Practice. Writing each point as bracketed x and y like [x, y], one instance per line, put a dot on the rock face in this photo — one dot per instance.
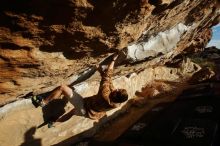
[23, 117]
[46, 43]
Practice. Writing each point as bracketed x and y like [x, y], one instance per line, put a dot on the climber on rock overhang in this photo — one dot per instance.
[108, 97]
[94, 107]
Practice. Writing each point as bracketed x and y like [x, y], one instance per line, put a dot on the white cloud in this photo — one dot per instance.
[214, 43]
[216, 26]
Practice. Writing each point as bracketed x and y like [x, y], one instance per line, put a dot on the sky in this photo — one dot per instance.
[215, 41]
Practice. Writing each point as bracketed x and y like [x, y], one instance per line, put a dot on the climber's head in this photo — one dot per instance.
[119, 96]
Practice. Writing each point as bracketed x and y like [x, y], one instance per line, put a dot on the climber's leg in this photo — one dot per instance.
[55, 94]
[42, 100]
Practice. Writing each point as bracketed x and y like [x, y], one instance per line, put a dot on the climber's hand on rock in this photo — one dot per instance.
[98, 67]
[115, 57]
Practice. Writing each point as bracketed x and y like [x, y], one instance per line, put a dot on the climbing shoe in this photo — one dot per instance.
[37, 101]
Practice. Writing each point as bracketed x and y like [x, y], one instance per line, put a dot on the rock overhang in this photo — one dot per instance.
[39, 50]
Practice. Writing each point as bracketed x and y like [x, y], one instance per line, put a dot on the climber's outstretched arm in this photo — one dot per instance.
[111, 65]
[106, 86]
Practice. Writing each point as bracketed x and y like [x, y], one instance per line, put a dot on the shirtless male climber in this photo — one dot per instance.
[95, 107]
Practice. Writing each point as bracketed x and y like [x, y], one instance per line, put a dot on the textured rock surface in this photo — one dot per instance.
[45, 43]
[20, 117]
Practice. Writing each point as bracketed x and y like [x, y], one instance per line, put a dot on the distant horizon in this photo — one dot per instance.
[215, 41]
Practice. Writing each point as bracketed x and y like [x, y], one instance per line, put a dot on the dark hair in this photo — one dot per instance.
[119, 96]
